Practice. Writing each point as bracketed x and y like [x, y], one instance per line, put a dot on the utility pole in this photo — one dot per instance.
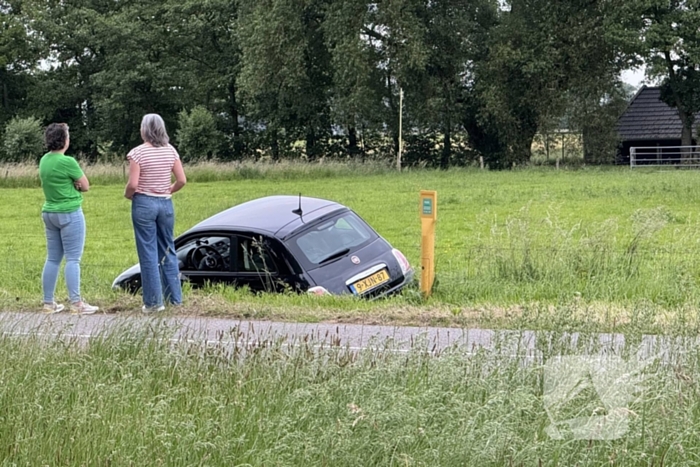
[398, 157]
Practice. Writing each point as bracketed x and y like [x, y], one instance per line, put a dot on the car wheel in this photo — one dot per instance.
[133, 286]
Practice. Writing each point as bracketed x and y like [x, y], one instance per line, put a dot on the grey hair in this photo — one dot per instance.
[153, 130]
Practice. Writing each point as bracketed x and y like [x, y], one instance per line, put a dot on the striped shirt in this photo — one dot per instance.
[156, 165]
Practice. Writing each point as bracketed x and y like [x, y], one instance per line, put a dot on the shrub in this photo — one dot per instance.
[197, 136]
[22, 140]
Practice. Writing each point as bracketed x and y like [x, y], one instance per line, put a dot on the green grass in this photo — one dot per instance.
[133, 398]
[599, 242]
[586, 250]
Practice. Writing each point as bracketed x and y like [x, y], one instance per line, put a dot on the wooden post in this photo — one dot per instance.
[428, 217]
[562, 145]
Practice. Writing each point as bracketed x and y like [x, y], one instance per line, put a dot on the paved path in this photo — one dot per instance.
[207, 329]
[529, 345]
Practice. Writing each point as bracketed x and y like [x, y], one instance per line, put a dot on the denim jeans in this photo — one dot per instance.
[65, 236]
[154, 221]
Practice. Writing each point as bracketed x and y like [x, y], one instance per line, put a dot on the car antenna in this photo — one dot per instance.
[298, 211]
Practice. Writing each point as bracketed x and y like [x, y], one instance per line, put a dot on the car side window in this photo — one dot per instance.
[206, 253]
[254, 255]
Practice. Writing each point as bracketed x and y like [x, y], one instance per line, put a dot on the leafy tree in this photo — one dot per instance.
[285, 71]
[668, 33]
[18, 53]
[112, 62]
[358, 86]
[197, 135]
[23, 140]
[595, 117]
[456, 31]
[381, 46]
[277, 72]
[538, 53]
[72, 33]
[202, 37]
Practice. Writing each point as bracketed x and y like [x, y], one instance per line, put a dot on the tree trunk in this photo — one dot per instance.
[90, 118]
[446, 148]
[394, 112]
[275, 147]
[521, 148]
[521, 151]
[353, 149]
[233, 112]
[586, 136]
[686, 135]
[311, 146]
[5, 99]
[446, 155]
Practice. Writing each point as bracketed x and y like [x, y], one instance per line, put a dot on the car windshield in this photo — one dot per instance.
[334, 237]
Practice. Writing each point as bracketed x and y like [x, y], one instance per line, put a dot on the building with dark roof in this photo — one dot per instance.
[651, 123]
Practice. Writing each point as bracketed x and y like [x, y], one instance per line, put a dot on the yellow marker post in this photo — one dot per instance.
[428, 219]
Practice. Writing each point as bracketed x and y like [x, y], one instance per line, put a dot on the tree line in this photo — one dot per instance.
[322, 78]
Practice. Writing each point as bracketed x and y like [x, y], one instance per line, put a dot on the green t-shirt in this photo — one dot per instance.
[57, 173]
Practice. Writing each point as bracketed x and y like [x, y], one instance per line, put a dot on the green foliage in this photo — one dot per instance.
[18, 52]
[22, 141]
[197, 136]
[597, 120]
[319, 79]
[138, 396]
[532, 71]
[668, 38]
[286, 78]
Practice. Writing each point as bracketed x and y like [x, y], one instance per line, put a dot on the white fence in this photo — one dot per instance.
[666, 156]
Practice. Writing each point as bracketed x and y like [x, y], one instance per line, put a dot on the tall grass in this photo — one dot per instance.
[133, 397]
[546, 259]
[25, 175]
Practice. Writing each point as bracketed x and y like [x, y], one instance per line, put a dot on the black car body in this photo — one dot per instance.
[280, 243]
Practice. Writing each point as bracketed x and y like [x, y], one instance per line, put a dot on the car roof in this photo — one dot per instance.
[270, 215]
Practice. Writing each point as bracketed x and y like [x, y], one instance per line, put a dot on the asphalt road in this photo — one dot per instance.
[221, 330]
[529, 345]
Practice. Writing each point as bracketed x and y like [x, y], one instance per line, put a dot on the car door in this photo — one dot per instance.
[257, 263]
[205, 257]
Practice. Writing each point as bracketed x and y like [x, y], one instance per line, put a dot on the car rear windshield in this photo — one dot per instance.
[344, 232]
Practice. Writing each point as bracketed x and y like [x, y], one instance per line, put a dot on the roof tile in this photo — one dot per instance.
[647, 117]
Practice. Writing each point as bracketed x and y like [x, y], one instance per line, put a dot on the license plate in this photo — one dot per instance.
[376, 279]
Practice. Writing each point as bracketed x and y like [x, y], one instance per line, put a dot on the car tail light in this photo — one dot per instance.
[403, 262]
[318, 290]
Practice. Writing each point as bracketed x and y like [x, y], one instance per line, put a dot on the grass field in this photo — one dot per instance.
[584, 250]
[134, 398]
[592, 248]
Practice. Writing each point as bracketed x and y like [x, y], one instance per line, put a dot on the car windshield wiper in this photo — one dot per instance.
[335, 255]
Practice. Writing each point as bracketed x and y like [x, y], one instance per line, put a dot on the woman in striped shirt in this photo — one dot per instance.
[150, 188]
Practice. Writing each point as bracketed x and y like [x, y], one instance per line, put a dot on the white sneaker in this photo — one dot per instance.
[53, 307]
[152, 309]
[83, 308]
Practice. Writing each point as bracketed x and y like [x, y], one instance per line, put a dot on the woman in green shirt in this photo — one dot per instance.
[63, 182]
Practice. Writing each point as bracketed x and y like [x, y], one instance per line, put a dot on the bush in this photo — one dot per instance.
[198, 137]
[23, 140]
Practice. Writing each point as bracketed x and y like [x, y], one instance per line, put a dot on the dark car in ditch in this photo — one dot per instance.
[280, 243]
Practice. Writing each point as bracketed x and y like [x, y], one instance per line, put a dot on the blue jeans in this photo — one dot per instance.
[154, 221]
[65, 236]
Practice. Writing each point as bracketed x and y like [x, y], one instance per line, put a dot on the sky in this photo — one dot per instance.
[635, 77]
